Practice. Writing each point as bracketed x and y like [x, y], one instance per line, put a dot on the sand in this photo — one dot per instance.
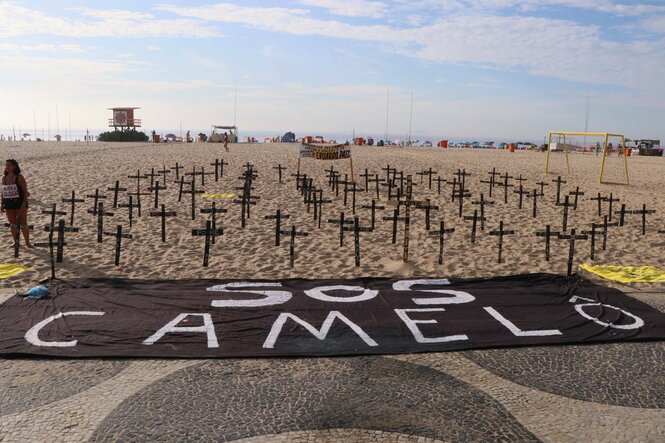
[53, 170]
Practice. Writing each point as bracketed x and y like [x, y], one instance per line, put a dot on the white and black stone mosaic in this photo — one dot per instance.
[27, 384]
[226, 400]
[621, 374]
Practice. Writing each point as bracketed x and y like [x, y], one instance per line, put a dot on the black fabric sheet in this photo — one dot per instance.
[290, 317]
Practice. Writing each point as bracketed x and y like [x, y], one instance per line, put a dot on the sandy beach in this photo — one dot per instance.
[53, 170]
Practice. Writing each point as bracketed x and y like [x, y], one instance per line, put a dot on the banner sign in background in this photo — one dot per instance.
[243, 318]
[325, 152]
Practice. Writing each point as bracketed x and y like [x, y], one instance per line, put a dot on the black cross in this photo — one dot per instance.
[213, 211]
[177, 168]
[318, 201]
[207, 232]
[193, 191]
[278, 223]
[421, 174]
[576, 193]
[474, 218]
[482, 202]
[441, 234]
[388, 170]
[331, 174]
[100, 219]
[542, 186]
[341, 222]
[427, 206]
[357, 229]
[430, 173]
[644, 211]
[521, 192]
[373, 207]
[221, 167]
[492, 180]
[376, 180]
[130, 209]
[115, 190]
[53, 212]
[152, 176]
[292, 246]
[571, 251]
[18, 227]
[118, 239]
[622, 213]
[461, 194]
[501, 233]
[50, 245]
[366, 175]
[566, 204]
[353, 198]
[593, 234]
[156, 188]
[548, 233]
[558, 182]
[461, 175]
[182, 184]
[297, 175]
[279, 168]
[248, 166]
[605, 230]
[164, 171]
[138, 178]
[599, 199]
[438, 181]
[407, 222]
[535, 194]
[60, 229]
[246, 202]
[203, 175]
[97, 197]
[520, 179]
[73, 201]
[505, 185]
[163, 214]
[611, 200]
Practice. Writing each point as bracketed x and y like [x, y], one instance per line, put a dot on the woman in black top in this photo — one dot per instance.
[15, 199]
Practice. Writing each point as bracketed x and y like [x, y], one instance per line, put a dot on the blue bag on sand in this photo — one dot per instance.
[37, 292]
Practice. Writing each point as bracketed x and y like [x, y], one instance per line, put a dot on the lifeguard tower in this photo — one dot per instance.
[217, 134]
[123, 119]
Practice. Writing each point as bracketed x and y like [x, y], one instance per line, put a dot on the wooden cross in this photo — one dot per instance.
[438, 181]
[492, 180]
[461, 175]
[213, 211]
[115, 190]
[622, 213]
[376, 180]
[164, 171]
[611, 200]
[644, 211]
[318, 201]
[73, 201]
[599, 199]
[576, 193]
[97, 197]
[156, 188]
[100, 219]
[430, 173]
[366, 175]
[177, 168]
[353, 190]
[193, 191]
[163, 214]
[461, 194]
[441, 234]
[152, 176]
[118, 240]
[566, 204]
[53, 212]
[520, 179]
[427, 206]
[482, 202]
[388, 170]
[182, 184]
[373, 207]
[521, 192]
[49, 245]
[222, 163]
[16, 233]
[593, 234]
[501, 232]
[571, 251]
[278, 223]
[407, 211]
[331, 174]
[357, 229]
[138, 178]
[130, 209]
[605, 230]
[505, 186]
[279, 168]
[341, 222]
[60, 229]
[421, 174]
[548, 233]
[246, 202]
[474, 218]
[558, 182]
[535, 194]
[297, 175]
[208, 232]
[292, 246]
[542, 186]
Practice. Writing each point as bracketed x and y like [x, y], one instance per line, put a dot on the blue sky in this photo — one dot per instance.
[492, 69]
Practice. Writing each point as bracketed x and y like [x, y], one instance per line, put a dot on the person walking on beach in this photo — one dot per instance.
[15, 199]
[226, 142]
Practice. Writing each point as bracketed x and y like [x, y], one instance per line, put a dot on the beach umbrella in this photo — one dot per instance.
[25, 134]
[170, 136]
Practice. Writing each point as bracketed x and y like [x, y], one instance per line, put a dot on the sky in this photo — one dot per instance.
[503, 70]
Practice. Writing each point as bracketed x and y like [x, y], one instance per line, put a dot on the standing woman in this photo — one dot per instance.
[15, 198]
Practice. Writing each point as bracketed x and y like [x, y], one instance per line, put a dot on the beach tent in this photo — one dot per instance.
[289, 137]
[170, 137]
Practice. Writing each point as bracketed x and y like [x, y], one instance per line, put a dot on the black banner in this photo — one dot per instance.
[240, 318]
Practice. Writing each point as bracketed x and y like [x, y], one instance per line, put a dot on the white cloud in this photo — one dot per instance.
[18, 21]
[44, 47]
[655, 24]
[153, 48]
[350, 8]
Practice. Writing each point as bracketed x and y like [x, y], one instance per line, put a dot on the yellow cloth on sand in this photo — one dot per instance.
[218, 195]
[8, 270]
[627, 274]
